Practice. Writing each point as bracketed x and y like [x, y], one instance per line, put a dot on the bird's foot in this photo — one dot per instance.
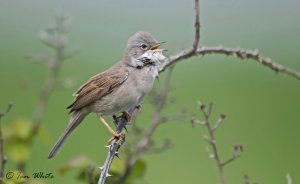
[117, 136]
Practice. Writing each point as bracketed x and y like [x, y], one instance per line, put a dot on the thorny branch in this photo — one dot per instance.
[113, 149]
[236, 52]
[2, 156]
[211, 139]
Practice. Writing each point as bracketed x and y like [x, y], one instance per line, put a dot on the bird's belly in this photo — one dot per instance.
[127, 98]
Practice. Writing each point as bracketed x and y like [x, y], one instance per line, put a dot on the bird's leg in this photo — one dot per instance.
[116, 120]
[115, 134]
[120, 138]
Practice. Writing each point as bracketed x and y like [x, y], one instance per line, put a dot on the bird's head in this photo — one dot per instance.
[143, 49]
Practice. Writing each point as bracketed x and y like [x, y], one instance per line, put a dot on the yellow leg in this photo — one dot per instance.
[108, 127]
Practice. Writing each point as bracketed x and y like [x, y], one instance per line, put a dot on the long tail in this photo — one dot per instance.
[75, 120]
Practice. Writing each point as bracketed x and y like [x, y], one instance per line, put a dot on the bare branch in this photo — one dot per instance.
[249, 54]
[211, 139]
[197, 26]
[235, 52]
[206, 111]
[57, 39]
[113, 149]
[2, 156]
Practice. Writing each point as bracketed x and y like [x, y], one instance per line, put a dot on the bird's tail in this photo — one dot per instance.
[75, 120]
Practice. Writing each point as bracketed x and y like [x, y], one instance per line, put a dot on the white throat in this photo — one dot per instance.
[154, 56]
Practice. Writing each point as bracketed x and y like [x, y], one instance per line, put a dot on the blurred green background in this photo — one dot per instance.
[263, 108]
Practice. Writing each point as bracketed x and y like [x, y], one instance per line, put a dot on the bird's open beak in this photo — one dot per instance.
[156, 47]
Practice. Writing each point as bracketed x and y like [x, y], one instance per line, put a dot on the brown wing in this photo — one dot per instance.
[97, 87]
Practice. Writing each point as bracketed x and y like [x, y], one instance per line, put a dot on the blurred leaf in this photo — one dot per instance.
[44, 135]
[138, 171]
[20, 128]
[117, 167]
[18, 151]
[79, 162]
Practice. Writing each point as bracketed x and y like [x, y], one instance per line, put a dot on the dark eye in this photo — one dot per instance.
[144, 47]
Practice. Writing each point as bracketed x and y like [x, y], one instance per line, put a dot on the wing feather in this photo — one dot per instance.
[97, 87]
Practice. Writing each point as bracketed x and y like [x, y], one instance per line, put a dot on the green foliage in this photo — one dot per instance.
[16, 136]
[138, 172]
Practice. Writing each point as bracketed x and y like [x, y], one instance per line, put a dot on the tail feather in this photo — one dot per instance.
[75, 120]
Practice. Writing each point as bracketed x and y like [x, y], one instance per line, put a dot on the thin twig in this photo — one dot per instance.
[55, 38]
[212, 142]
[197, 26]
[206, 111]
[2, 156]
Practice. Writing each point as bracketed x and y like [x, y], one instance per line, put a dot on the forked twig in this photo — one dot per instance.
[211, 139]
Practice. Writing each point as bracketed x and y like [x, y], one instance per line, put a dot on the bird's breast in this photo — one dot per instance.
[145, 78]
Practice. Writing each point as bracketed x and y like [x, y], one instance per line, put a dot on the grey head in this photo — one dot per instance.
[142, 49]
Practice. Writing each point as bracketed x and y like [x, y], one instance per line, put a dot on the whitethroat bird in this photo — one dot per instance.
[121, 87]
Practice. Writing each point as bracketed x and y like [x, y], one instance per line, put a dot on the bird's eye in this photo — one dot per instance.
[144, 47]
